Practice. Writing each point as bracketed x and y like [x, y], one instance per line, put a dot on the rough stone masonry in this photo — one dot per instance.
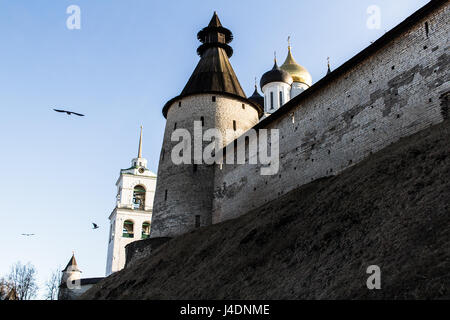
[394, 88]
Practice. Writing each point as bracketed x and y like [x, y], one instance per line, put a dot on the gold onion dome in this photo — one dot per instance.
[298, 73]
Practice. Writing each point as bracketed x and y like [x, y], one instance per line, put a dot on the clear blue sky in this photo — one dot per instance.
[58, 173]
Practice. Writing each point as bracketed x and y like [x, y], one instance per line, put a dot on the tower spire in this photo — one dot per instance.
[214, 72]
[256, 97]
[329, 68]
[72, 264]
[140, 145]
[215, 36]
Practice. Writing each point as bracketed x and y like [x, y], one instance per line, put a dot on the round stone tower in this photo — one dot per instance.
[213, 98]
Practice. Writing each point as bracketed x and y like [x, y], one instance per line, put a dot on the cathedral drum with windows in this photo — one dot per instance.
[281, 84]
[131, 218]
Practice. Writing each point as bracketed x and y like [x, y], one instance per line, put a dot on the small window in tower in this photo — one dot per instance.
[175, 126]
[271, 100]
[243, 106]
[165, 195]
[427, 29]
[128, 227]
[194, 167]
[281, 98]
[145, 230]
[234, 125]
[213, 98]
[197, 221]
[139, 198]
[202, 119]
[119, 192]
[179, 103]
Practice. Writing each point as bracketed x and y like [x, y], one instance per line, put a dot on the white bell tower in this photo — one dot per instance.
[131, 218]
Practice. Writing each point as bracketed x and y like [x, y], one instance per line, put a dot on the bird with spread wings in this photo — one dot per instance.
[69, 112]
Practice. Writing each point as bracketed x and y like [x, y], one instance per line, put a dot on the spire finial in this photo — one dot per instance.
[140, 145]
[256, 86]
[329, 68]
[275, 56]
[289, 42]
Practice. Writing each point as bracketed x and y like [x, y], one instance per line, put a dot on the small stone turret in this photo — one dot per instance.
[70, 285]
[71, 271]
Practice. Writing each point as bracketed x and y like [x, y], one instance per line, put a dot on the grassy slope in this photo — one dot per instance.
[316, 242]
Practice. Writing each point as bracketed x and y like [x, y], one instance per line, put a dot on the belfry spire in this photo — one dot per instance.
[140, 145]
[139, 163]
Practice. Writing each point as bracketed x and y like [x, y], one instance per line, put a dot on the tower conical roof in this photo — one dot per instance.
[72, 265]
[215, 34]
[215, 21]
[214, 73]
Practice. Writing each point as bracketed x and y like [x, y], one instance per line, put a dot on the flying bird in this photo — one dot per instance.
[69, 112]
[28, 234]
[95, 226]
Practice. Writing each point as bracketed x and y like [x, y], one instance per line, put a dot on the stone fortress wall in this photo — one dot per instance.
[390, 90]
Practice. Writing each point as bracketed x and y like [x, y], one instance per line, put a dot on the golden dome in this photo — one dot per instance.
[298, 73]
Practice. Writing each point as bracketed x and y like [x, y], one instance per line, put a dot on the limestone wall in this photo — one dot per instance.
[392, 93]
[182, 191]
